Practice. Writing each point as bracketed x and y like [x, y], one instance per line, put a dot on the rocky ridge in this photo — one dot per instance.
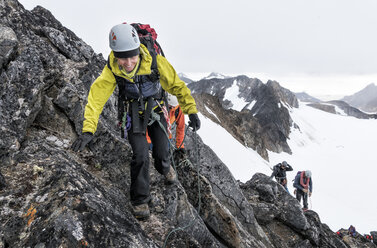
[342, 108]
[262, 123]
[305, 97]
[53, 197]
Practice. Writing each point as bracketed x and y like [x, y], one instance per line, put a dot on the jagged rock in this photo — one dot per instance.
[304, 244]
[285, 95]
[272, 194]
[281, 217]
[226, 210]
[2, 181]
[262, 123]
[8, 45]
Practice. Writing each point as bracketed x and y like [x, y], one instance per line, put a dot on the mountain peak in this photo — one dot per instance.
[216, 75]
[181, 74]
[371, 85]
[365, 99]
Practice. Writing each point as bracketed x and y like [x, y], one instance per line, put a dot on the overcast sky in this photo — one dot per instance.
[321, 47]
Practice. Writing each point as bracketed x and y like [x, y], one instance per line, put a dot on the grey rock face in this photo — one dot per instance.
[221, 192]
[8, 45]
[281, 217]
[2, 181]
[264, 122]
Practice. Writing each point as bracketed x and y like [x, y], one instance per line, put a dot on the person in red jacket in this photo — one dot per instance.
[177, 120]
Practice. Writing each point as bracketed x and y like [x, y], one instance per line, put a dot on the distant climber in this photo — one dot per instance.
[339, 234]
[279, 172]
[374, 237]
[304, 186]
[368, 237]
[352, 231]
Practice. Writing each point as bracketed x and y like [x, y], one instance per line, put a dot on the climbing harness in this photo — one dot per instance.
[126, 124]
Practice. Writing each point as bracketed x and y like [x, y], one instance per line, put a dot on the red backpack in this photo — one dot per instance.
[148, 37]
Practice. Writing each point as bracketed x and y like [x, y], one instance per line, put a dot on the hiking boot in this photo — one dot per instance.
[171, 177]
[141, 211]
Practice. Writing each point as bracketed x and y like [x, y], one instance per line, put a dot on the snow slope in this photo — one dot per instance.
[340, 152]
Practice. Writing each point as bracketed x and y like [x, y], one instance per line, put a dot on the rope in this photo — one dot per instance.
[199, 194]
[310, 201]
[173, 148]
[156, 117]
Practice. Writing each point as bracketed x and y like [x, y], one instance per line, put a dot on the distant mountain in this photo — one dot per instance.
[256, 114]
[305, 97]
[216, 75]
[185, 78]
[365, 99]
[342, 108]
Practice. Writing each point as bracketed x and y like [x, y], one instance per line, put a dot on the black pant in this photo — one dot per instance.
[140, 159]
[299, 194]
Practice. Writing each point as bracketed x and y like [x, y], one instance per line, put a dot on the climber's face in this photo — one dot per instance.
[128, 64]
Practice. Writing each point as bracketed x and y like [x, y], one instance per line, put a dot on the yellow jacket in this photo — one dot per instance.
[103, 87]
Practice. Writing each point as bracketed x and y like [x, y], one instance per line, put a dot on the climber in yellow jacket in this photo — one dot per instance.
[130, 66]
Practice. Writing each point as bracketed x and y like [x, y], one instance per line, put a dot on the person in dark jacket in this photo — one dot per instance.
[279, 172]
[352, 231]
[304, 186]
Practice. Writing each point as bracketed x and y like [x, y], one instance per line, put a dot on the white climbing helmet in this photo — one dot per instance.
[308, 173]
[172, 100]
[124, 41]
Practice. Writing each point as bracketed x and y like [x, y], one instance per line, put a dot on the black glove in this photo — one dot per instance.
[82, 141]
[194, 122]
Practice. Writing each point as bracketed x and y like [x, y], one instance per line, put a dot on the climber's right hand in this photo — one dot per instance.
[82, 141]
[194, 122]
